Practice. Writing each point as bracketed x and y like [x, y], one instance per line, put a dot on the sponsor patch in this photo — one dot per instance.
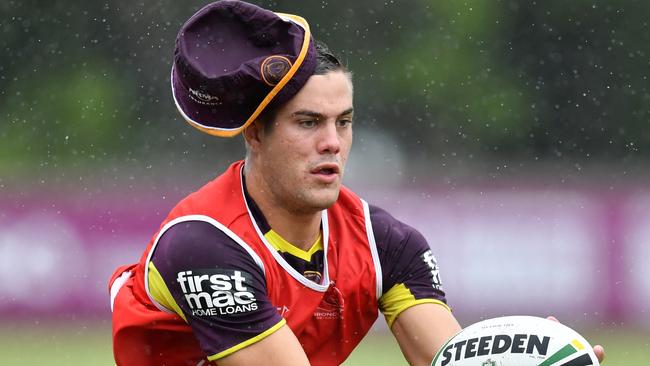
[431, 262]
[203, 98]
[212, 292]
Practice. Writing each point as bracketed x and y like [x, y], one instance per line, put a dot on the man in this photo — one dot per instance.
[274, 262]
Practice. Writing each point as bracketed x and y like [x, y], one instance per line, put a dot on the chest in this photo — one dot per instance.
[332, 317]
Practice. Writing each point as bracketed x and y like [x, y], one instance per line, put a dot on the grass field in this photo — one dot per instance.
[89, 344]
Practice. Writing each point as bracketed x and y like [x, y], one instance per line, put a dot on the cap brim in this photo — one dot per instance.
[184, 107]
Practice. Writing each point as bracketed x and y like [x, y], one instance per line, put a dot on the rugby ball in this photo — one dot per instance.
[516, 341]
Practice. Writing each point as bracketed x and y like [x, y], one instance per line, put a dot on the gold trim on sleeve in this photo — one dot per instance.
[160, 292]
[248, 342]
[400, 298]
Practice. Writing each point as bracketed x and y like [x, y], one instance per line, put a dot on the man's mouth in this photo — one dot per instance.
[326, 169]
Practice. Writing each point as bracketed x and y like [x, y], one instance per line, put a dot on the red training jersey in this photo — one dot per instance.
[329, 318]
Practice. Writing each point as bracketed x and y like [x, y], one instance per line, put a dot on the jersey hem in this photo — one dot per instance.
[248, 342]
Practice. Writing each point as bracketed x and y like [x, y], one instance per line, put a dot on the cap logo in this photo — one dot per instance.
[203, 98]
[274, 68]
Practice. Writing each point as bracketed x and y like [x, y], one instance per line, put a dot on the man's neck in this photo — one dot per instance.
[299, 229]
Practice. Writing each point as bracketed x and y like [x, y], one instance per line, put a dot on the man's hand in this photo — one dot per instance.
[598, 349]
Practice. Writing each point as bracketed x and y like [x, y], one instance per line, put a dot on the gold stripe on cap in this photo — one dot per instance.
[223, 132]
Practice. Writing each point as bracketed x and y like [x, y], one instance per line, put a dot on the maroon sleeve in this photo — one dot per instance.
[217, 284]
[405, 257]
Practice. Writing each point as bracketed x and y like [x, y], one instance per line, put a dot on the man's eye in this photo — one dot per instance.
[308, 123]
[344, 122]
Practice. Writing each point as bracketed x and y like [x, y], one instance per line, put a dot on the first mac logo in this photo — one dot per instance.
[211, 292]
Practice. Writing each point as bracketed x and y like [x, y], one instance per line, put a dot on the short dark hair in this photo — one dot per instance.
[326, 62]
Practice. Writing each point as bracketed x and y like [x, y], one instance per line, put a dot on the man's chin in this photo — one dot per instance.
[325, 200]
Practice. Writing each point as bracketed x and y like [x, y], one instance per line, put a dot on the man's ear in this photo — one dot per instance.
[253, 134]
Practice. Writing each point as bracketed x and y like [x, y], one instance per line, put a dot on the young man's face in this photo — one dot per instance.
[303, 156]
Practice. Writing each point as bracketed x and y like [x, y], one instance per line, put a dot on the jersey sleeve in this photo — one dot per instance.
[214, 284]
[410, 273]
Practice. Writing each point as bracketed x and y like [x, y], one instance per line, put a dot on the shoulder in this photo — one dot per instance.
[410, 274]
[198, 240]
[211, 278]
[405, 256]
[391, 233]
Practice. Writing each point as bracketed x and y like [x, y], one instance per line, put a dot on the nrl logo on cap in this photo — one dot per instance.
[203, 98]
[274, 68]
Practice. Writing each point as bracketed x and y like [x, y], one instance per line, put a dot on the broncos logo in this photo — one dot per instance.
[274, 68]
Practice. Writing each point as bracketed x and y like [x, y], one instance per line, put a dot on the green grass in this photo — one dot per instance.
[81, 343]
[89, 343]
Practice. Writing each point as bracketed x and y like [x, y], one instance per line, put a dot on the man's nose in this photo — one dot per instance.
[329, 141]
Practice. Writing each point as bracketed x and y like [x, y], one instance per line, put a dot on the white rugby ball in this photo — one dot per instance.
[516, 341]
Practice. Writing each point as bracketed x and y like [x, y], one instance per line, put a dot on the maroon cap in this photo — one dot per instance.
[233, 59]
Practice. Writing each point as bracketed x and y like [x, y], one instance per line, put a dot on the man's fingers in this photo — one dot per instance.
[598, 349]
[600, 352]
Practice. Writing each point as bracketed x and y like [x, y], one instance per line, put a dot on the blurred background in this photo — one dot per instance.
[513, 134]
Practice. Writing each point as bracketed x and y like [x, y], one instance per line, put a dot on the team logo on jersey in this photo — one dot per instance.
[210, 292]
[331, 306]
[431, 262]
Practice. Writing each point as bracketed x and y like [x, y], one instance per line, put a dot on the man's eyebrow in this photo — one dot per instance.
[308, 113]
[347, 111]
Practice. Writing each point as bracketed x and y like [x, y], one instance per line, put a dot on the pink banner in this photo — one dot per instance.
[582, 256]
